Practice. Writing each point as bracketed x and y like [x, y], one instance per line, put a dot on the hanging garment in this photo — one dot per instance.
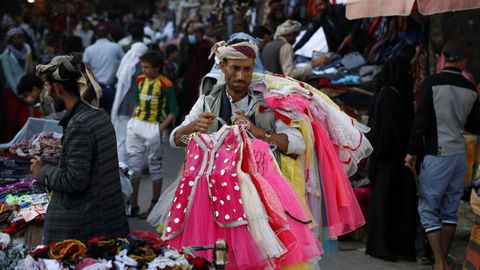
[215, 200]
[307, 248]
[342, 210]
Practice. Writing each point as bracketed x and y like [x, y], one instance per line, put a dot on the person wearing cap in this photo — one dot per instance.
[448, 105]
[277, 55]
[87, 199]
[16, 61]
[234, 102]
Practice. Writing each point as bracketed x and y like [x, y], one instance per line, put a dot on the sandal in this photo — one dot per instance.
[424, 260]
[145, 214]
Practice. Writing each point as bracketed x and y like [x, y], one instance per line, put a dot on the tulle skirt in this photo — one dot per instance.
[307, 247]
[201, 229]
[342, 210]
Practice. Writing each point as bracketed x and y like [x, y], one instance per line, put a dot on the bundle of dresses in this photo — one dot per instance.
[268, 208]
[232, 189]
[335, 144]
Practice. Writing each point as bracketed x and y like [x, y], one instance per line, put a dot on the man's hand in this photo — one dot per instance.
[204, 121]
[347, 41]
[410, 162]
[240, 117]
[320, 61]
[36, 165]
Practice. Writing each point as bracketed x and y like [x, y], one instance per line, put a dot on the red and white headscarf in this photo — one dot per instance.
[241, 50]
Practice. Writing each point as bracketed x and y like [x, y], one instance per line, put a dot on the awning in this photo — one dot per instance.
[374, 8]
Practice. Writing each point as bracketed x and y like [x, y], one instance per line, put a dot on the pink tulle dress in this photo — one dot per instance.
[207, 204]
[222, 195]
[263, 165]
[343, 213]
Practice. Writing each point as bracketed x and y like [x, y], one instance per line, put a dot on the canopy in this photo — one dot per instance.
[375, 8]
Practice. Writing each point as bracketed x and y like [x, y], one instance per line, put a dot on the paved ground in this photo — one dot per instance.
[351, 254]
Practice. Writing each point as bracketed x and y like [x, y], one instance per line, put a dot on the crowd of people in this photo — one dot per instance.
[183, 73]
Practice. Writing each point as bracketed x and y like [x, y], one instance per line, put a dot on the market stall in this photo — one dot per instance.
[23, 203]
[140, 250]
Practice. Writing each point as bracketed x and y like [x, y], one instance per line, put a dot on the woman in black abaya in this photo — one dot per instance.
[392, 213]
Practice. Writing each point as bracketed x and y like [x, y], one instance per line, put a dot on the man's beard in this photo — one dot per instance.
[239, 88]
[58, 104]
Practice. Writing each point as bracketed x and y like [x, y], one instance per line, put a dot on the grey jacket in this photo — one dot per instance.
[86, 193]
[448, 104]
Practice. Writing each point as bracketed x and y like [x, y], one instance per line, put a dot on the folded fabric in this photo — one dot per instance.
[4, 241]
[353, 60]
[348, 80]
[171, 259]
[32, 212]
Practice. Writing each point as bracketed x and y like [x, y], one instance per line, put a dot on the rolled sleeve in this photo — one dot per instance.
[296, 144]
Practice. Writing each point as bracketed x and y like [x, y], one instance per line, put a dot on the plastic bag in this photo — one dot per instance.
[125, 174]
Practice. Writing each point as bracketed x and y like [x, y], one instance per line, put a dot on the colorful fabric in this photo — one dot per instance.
[472, 258]
[342, 210]
[277, 226]
[223, 182]
[307, 248]
[156, 99]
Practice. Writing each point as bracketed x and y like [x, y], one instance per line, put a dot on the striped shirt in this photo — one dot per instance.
[155, 99]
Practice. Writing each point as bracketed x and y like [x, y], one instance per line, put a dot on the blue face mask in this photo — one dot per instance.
[192, 39]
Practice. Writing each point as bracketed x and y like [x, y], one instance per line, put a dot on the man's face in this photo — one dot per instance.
[149, 71]
[291, 37]
[53, 93]
[32, 97]
[17, 41]
[321, 6]
[238, 73]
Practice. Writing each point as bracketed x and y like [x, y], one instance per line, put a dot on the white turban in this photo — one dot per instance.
[288, 27]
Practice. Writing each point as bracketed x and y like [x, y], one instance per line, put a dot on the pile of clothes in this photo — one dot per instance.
[23, 201]
[22, 204]
[48, 145]
[140, 250]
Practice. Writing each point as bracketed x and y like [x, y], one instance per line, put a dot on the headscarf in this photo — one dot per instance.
[125, 72]
[13, 32]
[216, 72]
[90, 90]
[22, 53]
[241, 50]
[288, 27]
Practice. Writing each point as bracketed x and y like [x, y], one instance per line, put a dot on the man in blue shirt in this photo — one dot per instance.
[104, 58]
